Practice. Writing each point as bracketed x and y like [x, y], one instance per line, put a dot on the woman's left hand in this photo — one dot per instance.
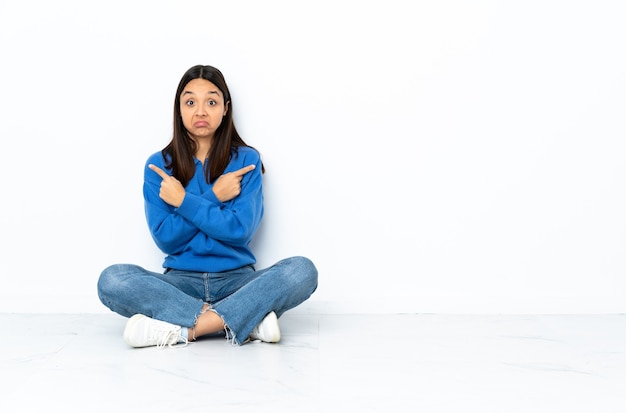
[172, 191]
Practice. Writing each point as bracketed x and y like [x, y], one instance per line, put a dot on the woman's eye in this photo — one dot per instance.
[189, 103]
[212, 103]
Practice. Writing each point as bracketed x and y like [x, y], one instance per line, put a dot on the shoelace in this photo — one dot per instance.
[166, 337]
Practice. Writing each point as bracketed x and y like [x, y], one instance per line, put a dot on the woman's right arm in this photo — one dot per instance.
[170, 231]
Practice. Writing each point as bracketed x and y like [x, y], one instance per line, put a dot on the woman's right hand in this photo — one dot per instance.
[228, 186]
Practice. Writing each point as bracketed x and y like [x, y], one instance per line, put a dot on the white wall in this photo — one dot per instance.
[429, 156]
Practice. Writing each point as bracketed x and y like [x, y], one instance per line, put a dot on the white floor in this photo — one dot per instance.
[324, 363]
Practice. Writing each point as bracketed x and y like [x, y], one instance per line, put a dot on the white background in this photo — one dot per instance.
[428, 156]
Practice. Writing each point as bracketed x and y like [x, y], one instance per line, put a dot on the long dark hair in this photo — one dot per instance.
[182, 148]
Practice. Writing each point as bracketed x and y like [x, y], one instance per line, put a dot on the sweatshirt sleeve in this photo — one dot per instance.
[233, 222]
[170, 231]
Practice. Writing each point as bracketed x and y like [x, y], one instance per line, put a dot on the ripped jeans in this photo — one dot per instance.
[241, 297]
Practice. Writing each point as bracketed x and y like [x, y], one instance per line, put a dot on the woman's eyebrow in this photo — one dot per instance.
[214, 92]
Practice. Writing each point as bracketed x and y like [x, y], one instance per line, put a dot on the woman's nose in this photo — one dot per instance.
[201, 110]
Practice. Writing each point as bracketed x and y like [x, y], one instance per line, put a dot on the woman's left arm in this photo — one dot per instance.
[235, 221]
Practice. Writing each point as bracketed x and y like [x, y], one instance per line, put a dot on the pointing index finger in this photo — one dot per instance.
[159, 171]
[244, 170]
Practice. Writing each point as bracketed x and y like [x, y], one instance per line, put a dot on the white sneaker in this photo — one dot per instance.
[268, 330]
[143, 331]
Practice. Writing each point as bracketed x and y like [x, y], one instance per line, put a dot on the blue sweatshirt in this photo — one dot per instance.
[204, 234]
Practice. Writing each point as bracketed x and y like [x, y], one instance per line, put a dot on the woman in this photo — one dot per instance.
[204, 202]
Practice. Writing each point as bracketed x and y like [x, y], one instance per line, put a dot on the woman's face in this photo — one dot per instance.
[202, 108]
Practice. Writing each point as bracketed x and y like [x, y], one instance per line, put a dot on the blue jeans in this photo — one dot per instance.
[241, 297]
